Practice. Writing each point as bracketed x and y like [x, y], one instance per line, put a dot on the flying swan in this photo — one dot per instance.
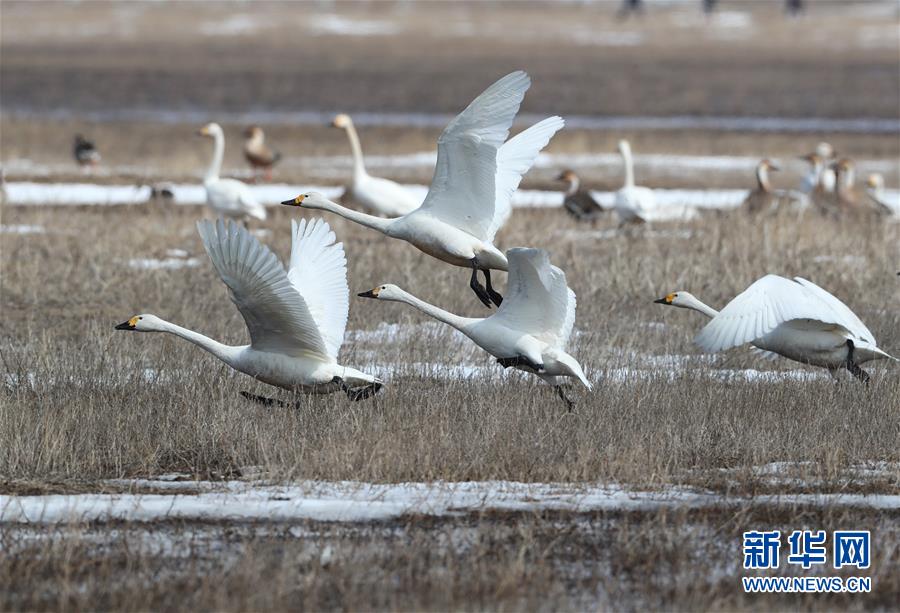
[531, 328]
[296, 318]
[475, 177]
[795, 318]
[227, 197]
[378, 196]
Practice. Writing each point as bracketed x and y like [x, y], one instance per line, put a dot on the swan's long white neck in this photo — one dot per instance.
[847, 178]
[762, 178]
[694, 304]
[359, 168]
[460, 323]
[625, 150]
[215, 165]
[370, 221]
[223, 352]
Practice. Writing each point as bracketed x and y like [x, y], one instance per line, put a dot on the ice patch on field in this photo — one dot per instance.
[235, 25]
[344, 26]
[349, 501]
[22, 229]
[672, 203]
[163, 264]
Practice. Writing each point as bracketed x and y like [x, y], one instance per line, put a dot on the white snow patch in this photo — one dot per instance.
[22, 229]
[349, 501]
[343, 26]
[163, 264]
[235, 25]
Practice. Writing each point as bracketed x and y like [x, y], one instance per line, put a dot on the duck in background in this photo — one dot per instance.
[578, 202]
[86, 154]
[259, 155]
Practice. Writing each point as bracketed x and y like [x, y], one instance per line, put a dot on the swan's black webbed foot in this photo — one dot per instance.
[478, 288]
[570, 404]
[852, 366]
[495, 297]
[356, 394]
[267, 402]
[520, 360]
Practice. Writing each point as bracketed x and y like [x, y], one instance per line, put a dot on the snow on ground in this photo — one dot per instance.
[348, 501]
[22, 229]
[673, 203]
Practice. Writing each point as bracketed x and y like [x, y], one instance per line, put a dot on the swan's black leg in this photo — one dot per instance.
[562, 394]
[495, 297]
[519, 360]
[853, 367]
[358, 393]
[478, 288]
[266, 402]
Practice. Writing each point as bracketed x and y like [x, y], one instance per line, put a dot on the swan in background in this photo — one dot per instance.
[875, 192]
[795, 318]
[379, 196]
[579, 203]
[529, 331]
[296, 317]
[812, 180]
[469, 197]
[227, 197]
[762, 198]
[828, 178]
[845, 195]
[86, 154]
[259, 155]
[633, 203]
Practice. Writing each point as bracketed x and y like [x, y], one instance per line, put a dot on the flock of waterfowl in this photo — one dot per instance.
[296, 315]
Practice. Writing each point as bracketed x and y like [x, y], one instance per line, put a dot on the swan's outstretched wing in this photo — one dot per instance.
[464, 189]
[538, 301]
[318, 270]
[842, 313]
[277, 316]
[514, 159]
[759, 309]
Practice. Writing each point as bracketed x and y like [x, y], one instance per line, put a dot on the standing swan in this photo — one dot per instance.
[227, 197]
[795, 319]
[532, 327]
[475, 177]
[578, 202]
[633, 203]
[296, 318]
[761, 199]
[379, 196]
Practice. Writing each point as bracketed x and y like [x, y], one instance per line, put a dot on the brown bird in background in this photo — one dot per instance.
[258, 154]
[762, 198]
[579, 203]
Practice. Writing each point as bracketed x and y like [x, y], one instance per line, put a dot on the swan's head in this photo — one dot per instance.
[340, 121]
[679, 299]
[384, 292]
[767, 164]
[210, 129]
[813, 158]
[825, 151]
[142, 323]
[309, 200]
[875, 181]
[567, 175]
[253, 132]
[624, 147]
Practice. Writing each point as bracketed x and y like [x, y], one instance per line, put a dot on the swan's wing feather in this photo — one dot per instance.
[277, 317]
[538, 301]
[318, 271]
[762, 307]
[463, 191]
[844, 316]
[514, 159]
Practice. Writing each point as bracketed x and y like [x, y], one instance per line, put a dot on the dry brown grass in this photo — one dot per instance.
[85, 401]
[672, 560]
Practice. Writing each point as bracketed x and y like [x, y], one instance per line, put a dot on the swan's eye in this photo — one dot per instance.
[140, 318]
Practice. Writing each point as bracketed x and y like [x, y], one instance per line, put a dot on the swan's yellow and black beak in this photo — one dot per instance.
[665, 299]
[372, 293]
[128, 325]
[295, 201]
